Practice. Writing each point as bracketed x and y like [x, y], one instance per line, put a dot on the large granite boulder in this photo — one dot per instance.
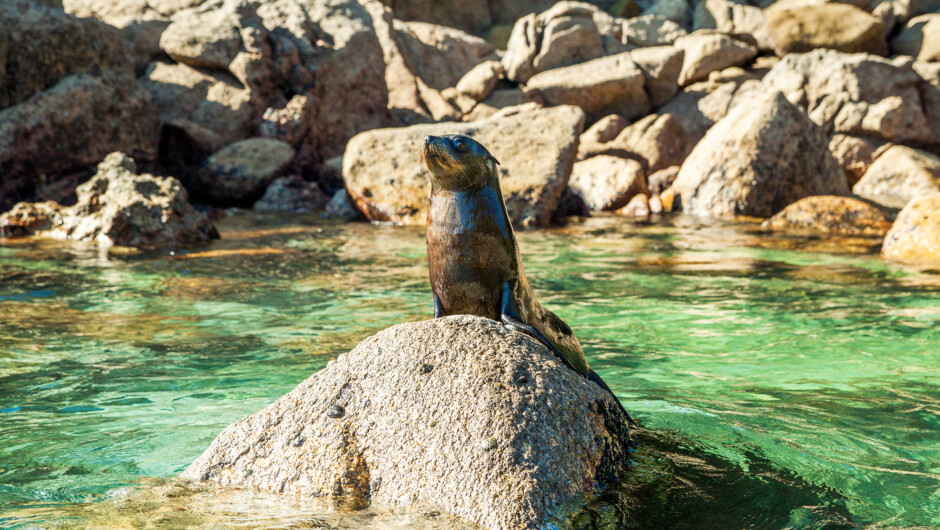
[40, 45]
[607, 182]
[831, 215]
[856, 94]
[915, 235]
[567, 34]
[920, 38]
[609, 85]
[801, 27]
[758, 159]
[70, 127]
[536, 150]
[457, 412]
[116, 207]
[661, 67]
[900, 175]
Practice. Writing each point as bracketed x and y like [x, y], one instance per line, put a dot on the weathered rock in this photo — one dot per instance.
[639, 206]
[832, 215]
[239, 173]
[699, 106]
[732, 18]
[472, 16]
[677, 11]
[603, 131]
[660, 181]
[341, 208]
[661, 66]
[292, 194]
[208, 36]
[441, 56]
[652, 30]
[854, 155]
[211, 109]
[658, 139]
[289, 123]
[607, 182]
[71, 127]
[609, 85]
[117, 207]
[915, 235]
[898, 176]
[480, 81]
[536, 150]
[567, 34]
[855, 94]
[920, 38]
[842, 27]
[757, 160]
[41, 45]
[929, 88]
[707, 51]
[456, 412]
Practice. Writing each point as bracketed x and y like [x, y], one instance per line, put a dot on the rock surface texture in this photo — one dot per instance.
[899, 175]
[831, 214]
[119, 207]
[758, 159]
[915, 235]
[536, 150]
[837, 26]
[457, 412]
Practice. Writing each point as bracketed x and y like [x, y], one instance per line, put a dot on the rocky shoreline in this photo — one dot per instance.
[715, 108]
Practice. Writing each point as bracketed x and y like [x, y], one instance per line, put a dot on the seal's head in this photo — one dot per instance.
[457, 162]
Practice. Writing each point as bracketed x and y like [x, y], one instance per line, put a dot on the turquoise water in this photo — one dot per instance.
[781, 382]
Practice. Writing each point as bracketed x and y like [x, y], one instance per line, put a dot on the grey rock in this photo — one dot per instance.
[239, 173]
[433, 412]
[652, 30]
[291, 194]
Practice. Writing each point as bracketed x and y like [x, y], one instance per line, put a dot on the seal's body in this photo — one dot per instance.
[474, 261]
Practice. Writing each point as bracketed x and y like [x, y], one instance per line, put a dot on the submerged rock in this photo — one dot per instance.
[831, 214]
[457, 412]
[758, 159]
[535, 148]
[915, 236]
[117, 206]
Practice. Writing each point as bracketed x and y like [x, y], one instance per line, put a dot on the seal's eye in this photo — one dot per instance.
[461, 146]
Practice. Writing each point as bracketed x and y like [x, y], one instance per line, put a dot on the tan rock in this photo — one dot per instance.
[456, 412]
[658, 139]
[440, 55]
[707, 51]
[698, 106]
[607, 182]
[757, 160]
[915, 235]
[639, 206]
[73, 125]
[207, 36]
[920, 38]
[495, 102]
[832, 215]
[609, 85]
[842, 27]
[661, 180]
[536, 150]
[603, 131]
[854, 155]
[480, 81]
[732, 18]
[117, 207]
[898, 176]
[855, 94]
[661, 66]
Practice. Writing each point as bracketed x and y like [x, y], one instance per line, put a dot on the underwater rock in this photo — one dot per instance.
[457, 412]
[117, 207]
[831, 214]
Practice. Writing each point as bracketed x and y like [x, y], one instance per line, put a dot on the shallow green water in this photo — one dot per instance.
[785, 382]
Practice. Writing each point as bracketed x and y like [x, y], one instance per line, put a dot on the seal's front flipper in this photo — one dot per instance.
[592, 376]
[438, 307]
[509, 313]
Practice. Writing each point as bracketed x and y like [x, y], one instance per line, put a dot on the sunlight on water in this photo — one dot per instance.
[784, 382]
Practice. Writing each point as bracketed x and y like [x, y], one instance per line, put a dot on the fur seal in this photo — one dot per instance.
[475, 263]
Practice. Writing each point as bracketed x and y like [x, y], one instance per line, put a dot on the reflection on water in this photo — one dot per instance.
[785, 381]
